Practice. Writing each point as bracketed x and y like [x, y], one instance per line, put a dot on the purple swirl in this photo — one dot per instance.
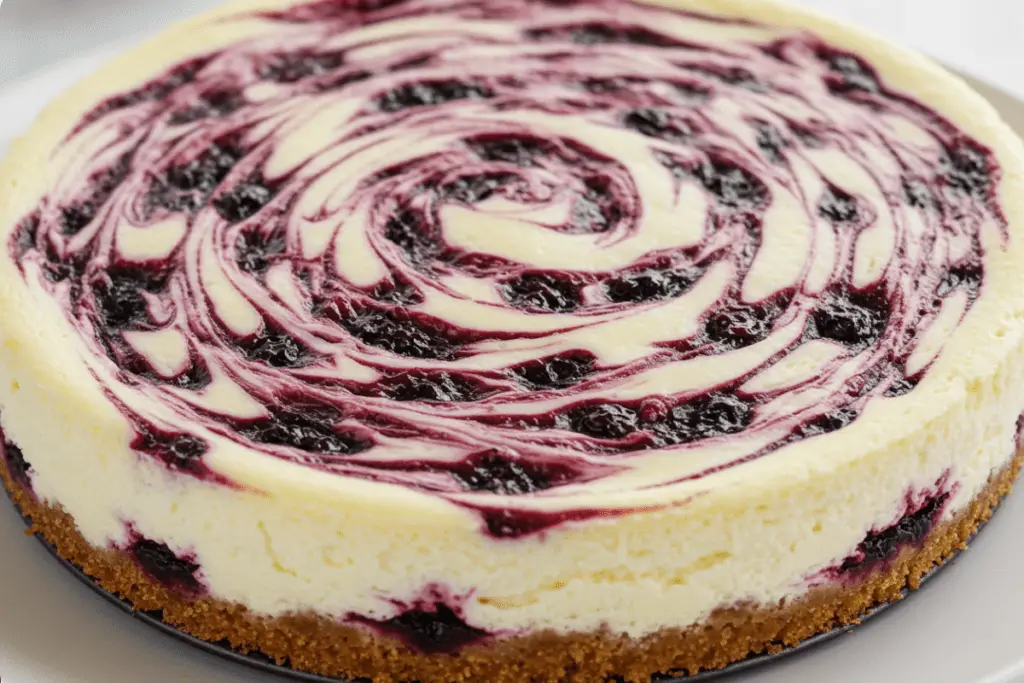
[512, 247]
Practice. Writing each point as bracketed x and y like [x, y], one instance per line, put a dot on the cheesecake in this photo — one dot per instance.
[512, 340]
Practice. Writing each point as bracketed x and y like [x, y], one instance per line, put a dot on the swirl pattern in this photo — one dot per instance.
[507, 247]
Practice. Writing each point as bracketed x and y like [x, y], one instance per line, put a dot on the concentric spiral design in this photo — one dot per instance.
[511, 247]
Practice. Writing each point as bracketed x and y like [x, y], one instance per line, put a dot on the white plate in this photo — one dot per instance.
[966, 626]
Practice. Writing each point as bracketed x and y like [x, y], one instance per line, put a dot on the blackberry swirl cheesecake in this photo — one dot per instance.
[512, 340]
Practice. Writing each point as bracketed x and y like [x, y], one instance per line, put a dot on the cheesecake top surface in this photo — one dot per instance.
[545, 255]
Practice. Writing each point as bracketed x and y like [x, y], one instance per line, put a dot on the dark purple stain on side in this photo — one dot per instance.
[438, 630]
[881, 546]
[1019, 438]
[430, 625]
[19, 468]
[177, 573]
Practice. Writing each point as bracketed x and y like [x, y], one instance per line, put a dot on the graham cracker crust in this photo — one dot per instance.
[318, 645]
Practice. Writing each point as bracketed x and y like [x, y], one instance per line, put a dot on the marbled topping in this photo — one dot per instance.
[511, 248]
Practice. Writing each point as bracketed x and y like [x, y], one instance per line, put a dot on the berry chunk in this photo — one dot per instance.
[430, 94]
[692, 94]
[837, 207]
[828, 423]
[733, 75]
[603, 86]
[177, 451]
[72, 269]
[507, 475]
[74, 218]
[557, 372]
[705, 417]
[595, 209]
[212, 105]
[901, 387]
[603, 420]
[733, 187]
[740, 325]
[967, 277]
[312, 429]
[119, 296]
[409, 230]
[917, 193]
[543, 293]
[278, 349]
[656, 123]
[676, 166]
[471, 189]
[600, 33]
[439, 630]
[244, 201]
[651, 285]
[187, 187]
[255, 250]
[855, 319]
[398, 334]
[516, 150]
[849, 74]
[400, 293]
[19, 468]
[969, 170]
[440, 387]
[296, 66]
[178, 574]
[25, 237]
[883, 544]
[771, 142]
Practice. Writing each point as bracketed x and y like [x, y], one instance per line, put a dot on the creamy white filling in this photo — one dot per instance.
[634, 574]
[295, 540]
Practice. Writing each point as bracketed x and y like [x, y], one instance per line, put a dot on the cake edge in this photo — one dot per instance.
[316, 644]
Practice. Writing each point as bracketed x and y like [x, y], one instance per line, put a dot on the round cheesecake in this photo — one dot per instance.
[512, 340]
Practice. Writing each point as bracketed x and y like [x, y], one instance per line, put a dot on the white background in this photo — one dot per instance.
[967, 627]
